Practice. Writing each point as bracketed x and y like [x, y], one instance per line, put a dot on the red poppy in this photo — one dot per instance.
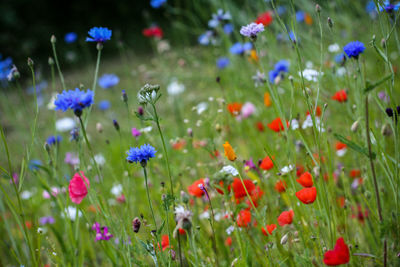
[243, 218]
[318, 111]
[340, 96]
[305, 180]
[194, 189]
[307, 195]
[280, 186]
[260, 126]
[153, 31]
[268, 229]
[266, 164]
[164, 242]
[355, 173]
[179, 144]
[234, 108]
[264, 18]
[339, 255]
[286, 217]
[360, 214]
[340, 145]
[238, 188]
[276, 125]
[221, 184]
[255, 195]
[228, 241]
[181, 231]
[341, 201]
[28, 224]
[299, 170]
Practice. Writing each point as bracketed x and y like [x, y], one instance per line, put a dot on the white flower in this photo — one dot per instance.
[308, 123]
[181, 213]
[287, 169]
[341, 152]
[146, 129]
[147, 97]
[116, 190]
[51, 105]
[333, 48]
[71, 213]
[26, 194]
[100, 160]
[341, 71]
[175, 88]
[294, 124]
[309, 64]
[229, 169]
[230, 229]
[201, 107]
[204, 215]
[311, 74]
[65, 124]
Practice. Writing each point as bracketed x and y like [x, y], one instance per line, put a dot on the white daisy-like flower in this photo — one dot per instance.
[311, 74]
[116, 190]
[175, 88]
[65, 124]
[51, 105]
[204, 215]
[333, 48]
[146, 129]
[26, 194]
[201, 107]
[100, 159]
[287, 169]
[341, 152]
[341, 71]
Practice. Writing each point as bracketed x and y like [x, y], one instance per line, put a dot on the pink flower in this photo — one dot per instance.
[246, 111]
[135, 132]
[78, 187]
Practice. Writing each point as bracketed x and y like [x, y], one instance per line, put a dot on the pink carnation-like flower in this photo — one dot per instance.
[78, 187]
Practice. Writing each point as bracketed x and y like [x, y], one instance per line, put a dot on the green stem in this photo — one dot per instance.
[53, 45]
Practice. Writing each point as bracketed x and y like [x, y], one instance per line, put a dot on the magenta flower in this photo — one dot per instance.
[101, 232]
[78, 187]
[136, 133]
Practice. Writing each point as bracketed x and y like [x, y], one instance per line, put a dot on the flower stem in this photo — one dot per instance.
[53, 45]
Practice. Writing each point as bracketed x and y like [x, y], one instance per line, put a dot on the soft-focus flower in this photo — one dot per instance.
[78, 187]
[71, 159]
[207, 38]
[5, 69]
[34, 164]
[229, 152]
[264, 18]
[340, 96]
[243, 218]
[46, 220]
[141, 154]
[339, 255]
[341, 149]
[252, 30]
[229, 169]
[65, 124]
[305, 180]
[228, 28]
[266, 163]
[136, 133]
[164, 242]
[222, 62]
[70, 37]
[153, 31]
[52, 140]
[280, 186]
[354, 49]
[311, 75]
[259, 79]
[247, 110]
[157, 3]
[234, 108]
[286, 217]
[268, 229]
[175, 88]
[107, 81]
[239, 190]
[239, 48]
[101, 232]
[307, 195]
[70, 212]
[104, 105]
[218, 18]
[99, 35]
[276, 125]
[194, 189]
[74, 99]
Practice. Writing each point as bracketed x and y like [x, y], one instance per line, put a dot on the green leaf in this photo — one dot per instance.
[353, 145]
[371, 87]
[161, 227]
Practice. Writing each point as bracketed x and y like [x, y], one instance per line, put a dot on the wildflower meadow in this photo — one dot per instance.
[227, 133]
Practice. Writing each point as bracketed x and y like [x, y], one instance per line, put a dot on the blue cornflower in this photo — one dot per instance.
[292, 36]
[34, 164]
[141, 154]
[157, 3]
[75, 100]
[370, 7]
[340, 58]
[282, 66]
[104, 105]
[52, 140]
[354, 49]
[280, 10]
[300, 15]
[218, 18]
[239, 48]
[39, 88]
[74, 133]
[222, 62]
[70, 37]
[5, 68]
[252, 30]
[388, 7]
[99, 35]
[207, 38]
[272, 75]
[228, 28]
[108, 80]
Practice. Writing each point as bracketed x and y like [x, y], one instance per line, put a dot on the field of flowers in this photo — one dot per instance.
[270, 140]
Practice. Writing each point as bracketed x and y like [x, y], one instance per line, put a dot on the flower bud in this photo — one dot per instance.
[386, 130]
[330, 22]
[51, 61]
[317, 8]
[124, 96]
[99, 46]
[30, 62]
[99, 127]
[53, 39]
[116, 125]
[136, 224]
[190, 132]
[284, 239]
[354, 126]
[140, 111]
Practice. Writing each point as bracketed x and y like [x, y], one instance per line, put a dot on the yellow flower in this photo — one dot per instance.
[267, 100]
[229, 153]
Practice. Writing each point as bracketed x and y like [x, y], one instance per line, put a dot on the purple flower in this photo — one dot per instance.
[252, 30]
[383, 96]
[101, 232]
[354, 49]
[46, 220]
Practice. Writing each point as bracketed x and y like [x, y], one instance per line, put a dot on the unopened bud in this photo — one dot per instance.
[99, 46]
[140, 111]
[47, 147]
[330, 22]
[284, 239]
[136, 224]
[53, 39]
[218, 127]
[124, 96]
[317, 8]
[190, 132]
[116, 125]
[383, 42]
[99, 127]
[386, 130]
[51, 61]
[218, 79]
[30, 62]
[354, 126]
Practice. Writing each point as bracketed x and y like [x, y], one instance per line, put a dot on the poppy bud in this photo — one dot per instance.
[284, 239]
[116, 125]
[218, 79]
[317, 8]
[99, 127]
[218, 127]
[53, 39]
[30, 62]
[184, 197]
[330, 22]
[47, 146]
